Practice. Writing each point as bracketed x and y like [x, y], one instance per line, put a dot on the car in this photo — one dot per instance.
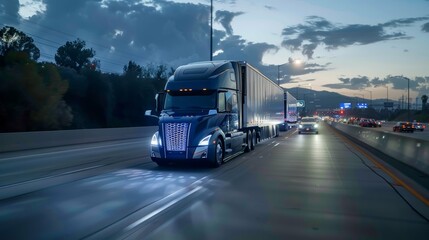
[379, 123]
[364, 122]
[419, 126]
[308, 125]
[403, 127]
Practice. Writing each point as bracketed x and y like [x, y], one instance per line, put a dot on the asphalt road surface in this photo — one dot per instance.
[291, 187]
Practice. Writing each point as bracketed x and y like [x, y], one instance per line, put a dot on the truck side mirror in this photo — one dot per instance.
[221, 105]
[159, 98]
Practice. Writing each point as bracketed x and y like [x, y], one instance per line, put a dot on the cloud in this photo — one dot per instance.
[226, 1]
[225, 18]
[419, 84]
[317, 31]
[156, 32]
[401, 83]
[235, 47]
[356, 83]
[269, 7]
[425, 27]
[288, 71]
[403, 22]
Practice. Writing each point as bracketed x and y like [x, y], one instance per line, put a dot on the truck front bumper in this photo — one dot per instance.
[192, 153]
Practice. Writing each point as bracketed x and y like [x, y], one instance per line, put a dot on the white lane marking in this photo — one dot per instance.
[79, 170]
[66, 151]
[159, 210]
[48, 177]
[276, 144]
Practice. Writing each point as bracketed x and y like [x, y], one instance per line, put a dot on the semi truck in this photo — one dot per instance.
[290, 112]
[213, 111]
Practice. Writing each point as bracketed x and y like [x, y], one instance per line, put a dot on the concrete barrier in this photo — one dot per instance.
[411, 151]
[34, 140]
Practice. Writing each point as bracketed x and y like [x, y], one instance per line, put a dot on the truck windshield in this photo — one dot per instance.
[190, 100]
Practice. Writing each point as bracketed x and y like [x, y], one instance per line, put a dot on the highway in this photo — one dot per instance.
[291, 187]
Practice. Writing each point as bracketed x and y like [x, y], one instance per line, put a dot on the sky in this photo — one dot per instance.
[363, 48]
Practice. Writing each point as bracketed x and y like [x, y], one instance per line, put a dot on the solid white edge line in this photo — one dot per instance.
[159, 210]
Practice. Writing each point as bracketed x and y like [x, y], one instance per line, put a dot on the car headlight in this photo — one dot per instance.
[316, 125]
[300, 126]
[205, 141]
[156, 140]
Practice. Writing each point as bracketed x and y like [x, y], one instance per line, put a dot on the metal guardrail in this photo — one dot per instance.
[411, 151]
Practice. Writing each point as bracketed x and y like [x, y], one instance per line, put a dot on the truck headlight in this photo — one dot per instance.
[205, 141]
[156, 140]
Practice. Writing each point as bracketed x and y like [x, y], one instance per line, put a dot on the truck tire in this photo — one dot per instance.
[249, 141]
[218, 154]
[277, 130]
[254, 140]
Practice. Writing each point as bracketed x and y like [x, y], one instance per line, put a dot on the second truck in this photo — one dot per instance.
[213, 111]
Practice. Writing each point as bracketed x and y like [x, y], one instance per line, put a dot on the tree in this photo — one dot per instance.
[74, 55]
[13, 40]
[424, 102]
[31, 95]
[133, 70]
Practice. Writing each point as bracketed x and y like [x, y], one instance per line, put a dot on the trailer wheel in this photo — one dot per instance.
[277, 130]
[249, 141]
[218, 154]
[254, 140]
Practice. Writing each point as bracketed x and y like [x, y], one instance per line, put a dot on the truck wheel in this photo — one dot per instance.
[249, 141]
[218, 155]
[254, 140]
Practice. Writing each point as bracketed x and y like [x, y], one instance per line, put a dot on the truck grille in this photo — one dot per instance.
[176, 135]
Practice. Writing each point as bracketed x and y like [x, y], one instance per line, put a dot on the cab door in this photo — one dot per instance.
[235, 138]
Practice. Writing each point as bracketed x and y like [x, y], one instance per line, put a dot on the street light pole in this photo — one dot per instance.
[408, 99]
[387, 93]
[211, 30]
[363, 97]
[370, 94]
